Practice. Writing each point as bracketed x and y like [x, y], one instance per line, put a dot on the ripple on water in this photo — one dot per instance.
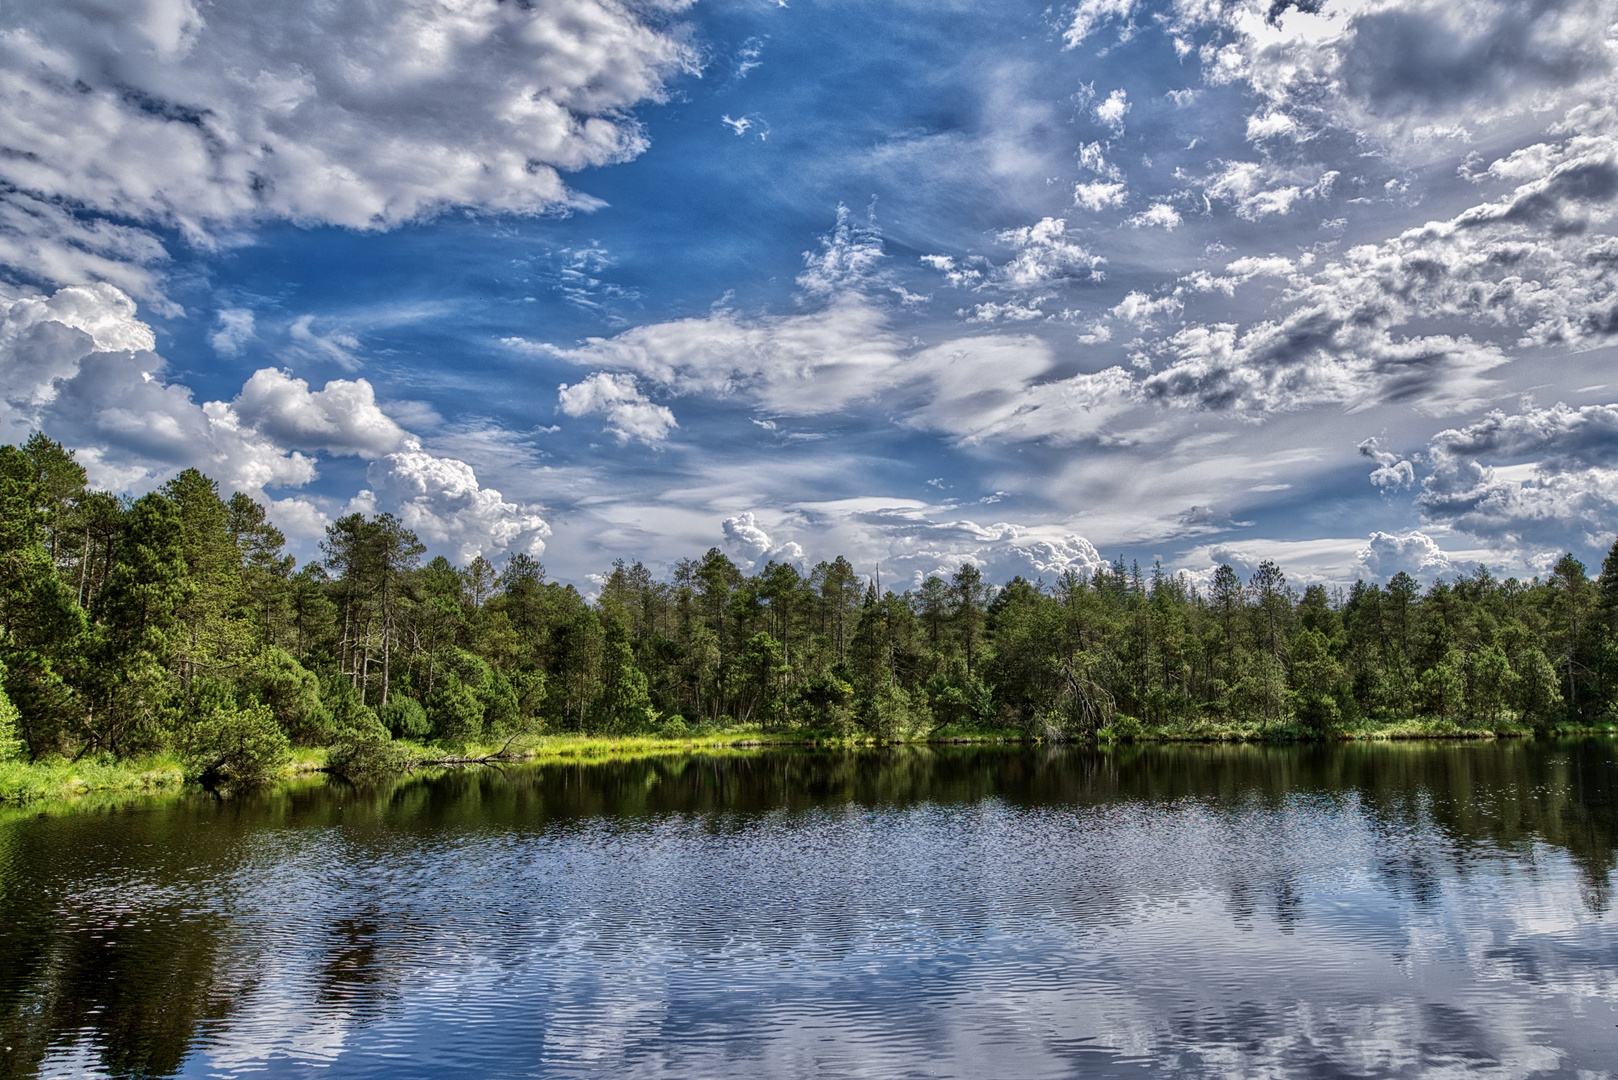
[1301, 929]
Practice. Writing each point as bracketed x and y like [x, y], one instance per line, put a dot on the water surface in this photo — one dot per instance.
[1389, 910]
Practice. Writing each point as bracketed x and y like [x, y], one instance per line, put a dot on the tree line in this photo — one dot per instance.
[175, 622]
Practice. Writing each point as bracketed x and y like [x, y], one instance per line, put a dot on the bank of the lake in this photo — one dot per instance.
[100, 782]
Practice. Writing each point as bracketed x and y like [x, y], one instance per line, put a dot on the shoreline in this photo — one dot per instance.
[54, 786]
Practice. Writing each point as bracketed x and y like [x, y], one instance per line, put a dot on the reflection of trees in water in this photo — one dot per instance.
[111, 947]
[1480, 796]
[353, 971]
[104, 929]
[138, 979]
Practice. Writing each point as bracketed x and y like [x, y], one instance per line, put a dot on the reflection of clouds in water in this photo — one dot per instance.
[278, 1020]
[1243, 932]
[1180, 939]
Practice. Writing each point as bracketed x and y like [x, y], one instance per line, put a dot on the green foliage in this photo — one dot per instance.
[175, 622]
[360, 746]
[230, 746]
[894, 713]
[292, 693]
[454, 714]
[11, 744]
[405, 718]
[1315, 681]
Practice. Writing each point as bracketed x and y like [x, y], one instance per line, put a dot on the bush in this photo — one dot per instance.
[1122, 729]
[454, 712]
[292, 693]
[234, 747]
[405, 717]
[11, 745]
[361, 746]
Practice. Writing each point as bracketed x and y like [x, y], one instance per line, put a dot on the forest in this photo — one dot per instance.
[175, 623]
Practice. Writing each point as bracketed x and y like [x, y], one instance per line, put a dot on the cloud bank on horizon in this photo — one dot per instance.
[1330, 282]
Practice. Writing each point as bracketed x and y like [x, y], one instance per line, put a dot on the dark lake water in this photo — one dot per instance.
[1346, 911]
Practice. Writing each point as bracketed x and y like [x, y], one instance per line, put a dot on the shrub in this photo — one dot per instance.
[234, 747]
[293, 694]
[454, 712]
[405, 717]
[361, 746]
[11, 745]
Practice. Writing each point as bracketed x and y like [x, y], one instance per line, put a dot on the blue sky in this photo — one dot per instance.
[1202, 281]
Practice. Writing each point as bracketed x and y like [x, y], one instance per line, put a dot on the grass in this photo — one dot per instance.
[1219, 730]
[60, 780]
[58, 784]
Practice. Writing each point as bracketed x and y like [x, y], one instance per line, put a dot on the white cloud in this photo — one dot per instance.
[1011, 311]
[336, 346]
[1090, 15]
[1259, 190]
[1414, 552]
[342, 417]
[1099, 195]
[1158, 215]
[794, 365]
[202, 117]
[441, 501]
[911, 539]
[1402, 71]
[1113, 110]
[1391, 470]
[1043, 255]
[999, 387]
[235, 329]
[1141, 309]
[630, 413]
[1093, 158]
[1527, 478]
[1271, 125]
[744, 535]
[79, 364]
[847, 258]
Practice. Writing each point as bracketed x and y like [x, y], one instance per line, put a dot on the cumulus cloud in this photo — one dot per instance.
[1157, 216]
[1399, 69]
[1011, 311]
[1099, 195]
[1391, 470]
[912, 539]
[342, 417]
[629, 412]
[1526, 262]
[1529, 477]
[439, 498]
[1141, 309]
[80, 365]
[1415, 553]
[1044, 254]
[1259, 190]
[342, 113]
[745, 536]
[1113, 110]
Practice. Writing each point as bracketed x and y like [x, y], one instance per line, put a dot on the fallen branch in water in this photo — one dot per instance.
[503, 755]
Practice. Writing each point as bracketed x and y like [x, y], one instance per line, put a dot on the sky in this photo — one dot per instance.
[1328, 282]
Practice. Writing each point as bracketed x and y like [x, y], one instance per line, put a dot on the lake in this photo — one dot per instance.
[1186, 911]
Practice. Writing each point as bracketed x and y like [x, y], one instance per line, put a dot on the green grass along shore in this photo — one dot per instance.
[47, 786]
